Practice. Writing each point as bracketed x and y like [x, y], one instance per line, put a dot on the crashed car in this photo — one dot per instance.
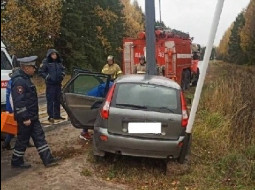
[137, 115]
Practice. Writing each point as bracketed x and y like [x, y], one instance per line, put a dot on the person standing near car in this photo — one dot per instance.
[53, 72]
[141, 67]
[111, 68]
[9, 108]
[26, 113]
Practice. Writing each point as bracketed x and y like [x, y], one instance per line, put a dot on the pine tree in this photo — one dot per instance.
[235, 52]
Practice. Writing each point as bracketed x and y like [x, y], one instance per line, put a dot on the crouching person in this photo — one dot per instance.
[26, 110]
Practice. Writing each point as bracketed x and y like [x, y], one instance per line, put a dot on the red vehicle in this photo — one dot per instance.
[174, 56]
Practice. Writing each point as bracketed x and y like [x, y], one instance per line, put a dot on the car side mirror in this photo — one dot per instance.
[97, 104]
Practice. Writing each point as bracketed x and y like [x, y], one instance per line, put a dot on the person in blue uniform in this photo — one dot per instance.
[25, 103]
[53, 71]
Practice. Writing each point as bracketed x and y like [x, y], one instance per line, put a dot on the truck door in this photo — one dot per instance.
[128, 57]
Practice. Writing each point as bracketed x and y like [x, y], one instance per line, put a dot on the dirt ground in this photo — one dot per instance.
[75, 170]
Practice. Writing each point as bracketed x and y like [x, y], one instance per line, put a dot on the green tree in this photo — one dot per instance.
[29, 26]
[93, 29]
[248, 33]
[235, 52]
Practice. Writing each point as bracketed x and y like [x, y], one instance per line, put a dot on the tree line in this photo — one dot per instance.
[84, 32]
[238, 43]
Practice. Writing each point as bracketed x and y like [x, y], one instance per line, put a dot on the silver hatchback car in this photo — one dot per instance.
[137, 115]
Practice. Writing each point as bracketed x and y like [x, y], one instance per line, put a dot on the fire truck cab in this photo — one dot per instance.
[173, 55]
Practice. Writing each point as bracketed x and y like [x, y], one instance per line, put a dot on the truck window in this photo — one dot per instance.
[5, 64]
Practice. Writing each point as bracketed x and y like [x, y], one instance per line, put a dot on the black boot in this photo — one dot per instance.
[23, 165]
[7, 146]
[52, 162]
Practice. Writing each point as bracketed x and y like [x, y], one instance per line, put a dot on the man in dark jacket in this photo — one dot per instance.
[53, 72]
[25, 102]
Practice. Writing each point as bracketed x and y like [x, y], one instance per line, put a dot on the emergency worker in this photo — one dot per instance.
[141, 67]
[25, 104]
[111, 68]
[53, 72]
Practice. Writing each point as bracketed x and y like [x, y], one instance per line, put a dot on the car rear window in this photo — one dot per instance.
[151, 97]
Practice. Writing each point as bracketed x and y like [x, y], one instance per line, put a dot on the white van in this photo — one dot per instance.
[6, 69]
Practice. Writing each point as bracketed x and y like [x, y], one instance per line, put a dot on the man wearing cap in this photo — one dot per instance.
[53, 72]
[141, 67]
[112, 68]
[25, 104]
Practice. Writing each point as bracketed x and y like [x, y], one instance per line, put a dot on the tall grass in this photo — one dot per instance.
[224, 133]
[232, 97]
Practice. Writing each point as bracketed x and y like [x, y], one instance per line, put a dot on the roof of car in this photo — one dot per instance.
[148, 79]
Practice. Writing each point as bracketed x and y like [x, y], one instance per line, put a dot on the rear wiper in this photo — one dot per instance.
[162, 108]
[132, 105]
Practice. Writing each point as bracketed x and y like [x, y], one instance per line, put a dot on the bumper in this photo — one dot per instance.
[134, 146]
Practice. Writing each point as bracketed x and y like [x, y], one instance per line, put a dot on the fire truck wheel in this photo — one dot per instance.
[187, 79]
[183, 81]
[185, 84]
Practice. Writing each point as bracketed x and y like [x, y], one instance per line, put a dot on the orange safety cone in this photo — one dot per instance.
[8, 124]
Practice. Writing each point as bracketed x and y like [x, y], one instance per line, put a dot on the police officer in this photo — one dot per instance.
[141, 67]
[53, 72]
[112, 68]
[25, 104]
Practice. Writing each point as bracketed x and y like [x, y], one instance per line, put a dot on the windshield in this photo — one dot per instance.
[147, 97]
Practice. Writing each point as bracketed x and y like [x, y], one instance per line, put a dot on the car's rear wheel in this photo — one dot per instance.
[186, 149]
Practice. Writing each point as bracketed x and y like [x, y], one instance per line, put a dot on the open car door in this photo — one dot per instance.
[82, 97]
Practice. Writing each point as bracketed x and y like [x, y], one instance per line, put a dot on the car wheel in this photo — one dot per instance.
[186, 151]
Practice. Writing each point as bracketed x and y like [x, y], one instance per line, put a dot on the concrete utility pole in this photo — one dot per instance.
[150, 37]
[201, 79]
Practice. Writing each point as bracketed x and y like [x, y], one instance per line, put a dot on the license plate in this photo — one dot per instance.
[144, 128]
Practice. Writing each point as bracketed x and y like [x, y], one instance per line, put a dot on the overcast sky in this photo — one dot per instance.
[195, 16]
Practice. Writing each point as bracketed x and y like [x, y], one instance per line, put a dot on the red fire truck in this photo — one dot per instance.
[174, 56]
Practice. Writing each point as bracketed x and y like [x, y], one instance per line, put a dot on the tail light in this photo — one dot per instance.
[106, 107]
[185, 116]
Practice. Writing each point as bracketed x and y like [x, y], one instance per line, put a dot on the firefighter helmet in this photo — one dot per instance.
[110, 57]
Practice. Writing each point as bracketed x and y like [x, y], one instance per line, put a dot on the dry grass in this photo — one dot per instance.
[232, 96]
